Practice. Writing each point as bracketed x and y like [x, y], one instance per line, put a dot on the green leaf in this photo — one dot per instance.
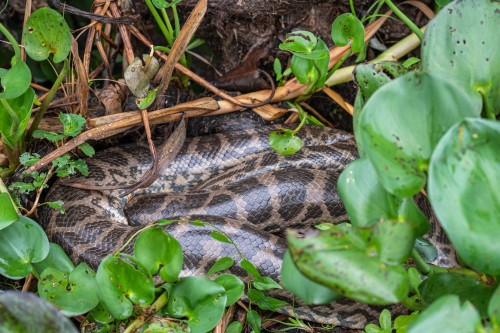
[22, 107]
[158, 251]
[138, 75]
[234, 327]
[463, 189]
[250, 268]
[264, 302]
[87, 149]
[348, 29]
[72, 123]
[277, 69]
[265, 283]
[100, 314]
[163, 4]
[299, 42]
[494, 305]
[402, 322]
[28, 159]
[165, 327]
[121, 285]
[198, 299]
[143, 103]
[400, 156]
[220, 237]
[467, 287]
[370, 77]
[254, 320]
[15, 81]
[385, 320]
[21, 244]
[393, 241]
[462, 44]
[233, 285]
[56, 259]
[8, 212]
[48, 135]
[284, 141]
[436, 318]
[308, 291]
[26, 312]
[338, 260]
[47, 32]
[220, 265]
[74, 293]
[415, 280]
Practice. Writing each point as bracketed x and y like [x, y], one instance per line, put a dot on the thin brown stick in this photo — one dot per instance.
[316, 114]
[127, 45]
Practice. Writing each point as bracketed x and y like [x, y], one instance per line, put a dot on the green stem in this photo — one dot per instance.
[176, 21]
[405, 19]
[166, 19]
[163, 49]
[302, 122]
[13, 41]
[339, 63]
[47, 100]
[159, 21]
[133, 236]
[160, 302]
[422, 266]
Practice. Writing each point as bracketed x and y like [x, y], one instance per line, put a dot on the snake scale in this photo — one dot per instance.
[234, 181]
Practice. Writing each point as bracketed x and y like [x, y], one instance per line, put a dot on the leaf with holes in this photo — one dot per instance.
[284, 141]
[47, 32]
[348, 29]
[233, 285]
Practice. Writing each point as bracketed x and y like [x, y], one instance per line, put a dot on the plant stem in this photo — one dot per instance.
[133, 236]
[160, 302]
[13, 41]
[159, 21]
[47, 100]
[302, 122]
[176, 21]
[405, 19]
[166, 19]
[422, 266]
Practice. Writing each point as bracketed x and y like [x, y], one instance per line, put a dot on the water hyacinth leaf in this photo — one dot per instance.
[367, 201]
[8, 212]
[393, 241]
[21, 244]
[462, 44]
[401, 157]
[100, 314]
[234, 327]
[333, 260]
[494, 305]
[120, 285]
[467, 287]
[22, 107]
[199, 300]
[348, 29]
[26, 312]
[56, 259]
[165, 327]
[308, 291]
[436, 318]
[303, 69]
[299, 42]
[158, 251]
[220, 265]
[47, 32]
[233, 285]
[370, 77]
[74, 293]
[463, 189]
[15, 81]
[284, 141]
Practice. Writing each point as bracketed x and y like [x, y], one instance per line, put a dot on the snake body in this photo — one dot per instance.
[236, 182]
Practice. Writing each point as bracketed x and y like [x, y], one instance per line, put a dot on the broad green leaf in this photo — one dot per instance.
[120, 285]
[8, 212]
[26, 312]
[56, 259]
[494, 305]
[335, 260]
[392, 240]
[220, 265]
[199, 300]
[165, 327]
[254, 320]
[308, 291]
[265, 302]
[87, 149]
[47, 32]
[348, 29]
[367, 201]
[220, 237]
[233, 285]
[15, 81]
[74, 293]
[158, 251]
[370, 77]
[436, 318]
[284, 141]
[21, 106]
[424, 103]
[299, 42]
[302, 68]
[385, 320]
[402, 322]
[462, 44]
[143, 103]
[467, 287]
[265, 283]
[250, 268]
[21, 244]
[100, 314]
[463, 189]
[234, 327]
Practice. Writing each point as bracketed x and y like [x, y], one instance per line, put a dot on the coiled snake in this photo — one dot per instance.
[235, 181]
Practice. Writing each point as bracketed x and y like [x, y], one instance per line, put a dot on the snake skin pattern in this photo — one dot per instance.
[234, 181]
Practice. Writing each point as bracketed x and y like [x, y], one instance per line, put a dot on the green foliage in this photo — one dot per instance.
[420, 131]
[348, 29]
